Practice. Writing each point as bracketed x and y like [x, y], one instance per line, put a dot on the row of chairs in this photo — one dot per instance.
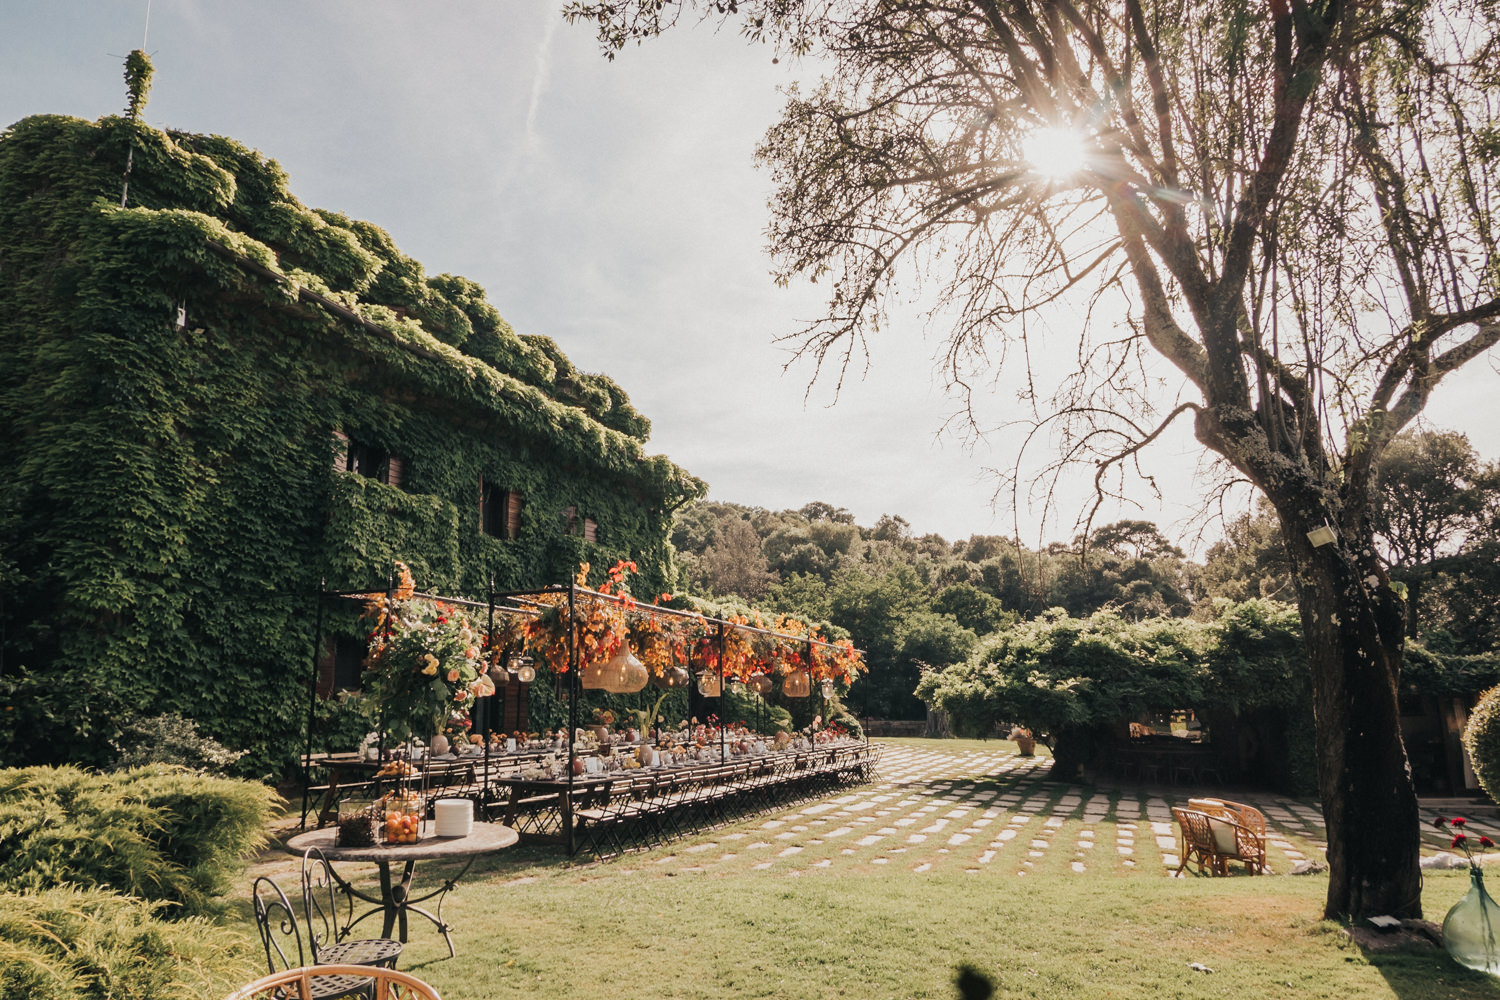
[1168, 767]
[651, 808]
[317, 932]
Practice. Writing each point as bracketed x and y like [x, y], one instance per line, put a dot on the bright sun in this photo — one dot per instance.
[1055, 151]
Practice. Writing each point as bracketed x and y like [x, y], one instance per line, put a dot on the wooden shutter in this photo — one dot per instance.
[590, 530]
[340, 451]
[513, 504]
[395, 468]
[570, 515]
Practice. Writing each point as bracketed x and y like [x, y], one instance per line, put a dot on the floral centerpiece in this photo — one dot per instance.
[423, 668]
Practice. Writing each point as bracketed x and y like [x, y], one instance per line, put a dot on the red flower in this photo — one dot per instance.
[1458, 840]
[1440, 822]
[1459, 821]
[1486, 842]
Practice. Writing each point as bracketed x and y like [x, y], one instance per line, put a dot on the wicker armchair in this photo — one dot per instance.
[302, 984]
[1212, 840]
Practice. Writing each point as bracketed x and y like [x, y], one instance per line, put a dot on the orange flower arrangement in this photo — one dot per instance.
[599, 623]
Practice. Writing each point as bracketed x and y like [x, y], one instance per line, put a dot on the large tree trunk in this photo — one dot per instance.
[1352, 630]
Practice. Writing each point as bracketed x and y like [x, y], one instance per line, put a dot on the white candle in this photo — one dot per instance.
[455, 817]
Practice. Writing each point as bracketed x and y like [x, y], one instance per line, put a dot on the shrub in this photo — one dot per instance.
[1482, 740]
[158, 833]
[171, 739]
[74, 944]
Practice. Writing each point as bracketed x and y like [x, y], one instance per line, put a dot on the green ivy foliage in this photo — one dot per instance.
[169, 506]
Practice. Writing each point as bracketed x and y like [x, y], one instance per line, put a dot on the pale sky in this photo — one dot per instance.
[612, 206]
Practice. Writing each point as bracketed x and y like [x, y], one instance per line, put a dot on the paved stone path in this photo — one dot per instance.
[934, 808]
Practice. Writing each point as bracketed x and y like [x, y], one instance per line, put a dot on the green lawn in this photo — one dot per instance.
[696, 921]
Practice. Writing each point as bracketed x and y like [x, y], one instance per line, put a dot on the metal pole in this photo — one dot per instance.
[723, 698]
[573, 691]
[390, 599]
[312, 703]
[489, 710]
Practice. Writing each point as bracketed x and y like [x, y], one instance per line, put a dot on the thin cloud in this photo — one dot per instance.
[541, 75]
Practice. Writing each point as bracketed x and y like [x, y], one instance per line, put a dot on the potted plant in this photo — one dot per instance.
[1025, 742]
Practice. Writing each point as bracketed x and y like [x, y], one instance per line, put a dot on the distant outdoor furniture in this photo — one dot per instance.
[395, 900]
[303, 984]
[1157, 760]
[281, 934]
[1221, 832]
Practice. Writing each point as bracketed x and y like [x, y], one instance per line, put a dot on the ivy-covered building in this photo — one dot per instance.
[216, 400]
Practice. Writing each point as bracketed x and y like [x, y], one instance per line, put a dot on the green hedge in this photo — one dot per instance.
[1482, 741]
[161, 834]
[90, 944]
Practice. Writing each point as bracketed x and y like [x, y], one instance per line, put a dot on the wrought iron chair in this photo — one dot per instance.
[303, 984]
[327, 932]
[281, 937]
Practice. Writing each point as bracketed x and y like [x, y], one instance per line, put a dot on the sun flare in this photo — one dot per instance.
[1056, 151]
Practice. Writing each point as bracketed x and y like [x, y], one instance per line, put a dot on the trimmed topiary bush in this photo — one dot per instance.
[77, 944]
[1482, 741]
[159, 833]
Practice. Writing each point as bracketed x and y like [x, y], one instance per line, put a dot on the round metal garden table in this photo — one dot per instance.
[395, 900]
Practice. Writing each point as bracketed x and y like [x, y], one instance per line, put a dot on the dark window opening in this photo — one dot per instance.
[340, 666]
[367, 460]
[499, 511]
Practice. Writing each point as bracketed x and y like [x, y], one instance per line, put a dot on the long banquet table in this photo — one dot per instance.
[612, 809]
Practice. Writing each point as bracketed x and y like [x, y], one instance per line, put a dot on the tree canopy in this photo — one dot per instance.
[1289, 207]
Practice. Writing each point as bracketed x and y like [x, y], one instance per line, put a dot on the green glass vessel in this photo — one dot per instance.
[1470, 929]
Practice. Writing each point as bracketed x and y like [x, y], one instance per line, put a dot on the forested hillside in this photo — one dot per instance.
[914, 601]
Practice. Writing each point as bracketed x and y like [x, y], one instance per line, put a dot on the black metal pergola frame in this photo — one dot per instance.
[524, 602]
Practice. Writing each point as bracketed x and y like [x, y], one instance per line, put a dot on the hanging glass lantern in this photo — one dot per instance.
[761, 684]
[672, 677]
[520, 668]
[798, 684]
[827, 689]
[708, 684]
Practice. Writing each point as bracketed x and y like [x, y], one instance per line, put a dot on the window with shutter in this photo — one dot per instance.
[570, 519]
[499, 511]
